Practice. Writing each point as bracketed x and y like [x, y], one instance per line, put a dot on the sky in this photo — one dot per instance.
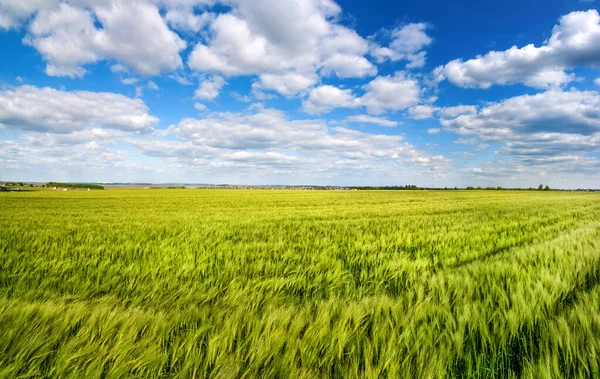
[315, 92]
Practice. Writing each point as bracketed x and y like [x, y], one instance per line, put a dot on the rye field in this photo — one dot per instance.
[299, 284]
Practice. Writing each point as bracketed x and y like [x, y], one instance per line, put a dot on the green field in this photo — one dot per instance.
[299, 284]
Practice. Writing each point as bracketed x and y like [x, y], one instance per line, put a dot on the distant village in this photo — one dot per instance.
[58, 186]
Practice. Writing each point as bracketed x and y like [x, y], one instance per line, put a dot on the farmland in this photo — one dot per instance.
[303, 284]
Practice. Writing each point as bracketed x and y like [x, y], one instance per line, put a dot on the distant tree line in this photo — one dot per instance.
[74, 185]
[394, 188]
[15, 184]
[540, 188]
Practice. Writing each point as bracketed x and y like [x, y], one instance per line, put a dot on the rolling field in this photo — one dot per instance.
[299, 284]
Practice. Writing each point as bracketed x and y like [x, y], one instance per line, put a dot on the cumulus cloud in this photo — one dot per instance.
[186, 20]
[325, 98]
[278, 38]
[366, 119]
[410, 38]
[407, 43]
[348, 66]
[67, 38]
[391, 92]
[13, 12]
[62, 36]
[288, 84]
[575, 41]
[146, 45]
[421, 112]
[541, 128]
[233, 50]
[571, 112]
[51, 110]
[209, 89]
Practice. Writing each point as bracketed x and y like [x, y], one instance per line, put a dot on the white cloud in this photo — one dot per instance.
[68, 38]
[348, 66]
[153, 86]
[129, 81]
[416, 60]
[567, 171]
[118, 68]
[266, 140]
[456, 110]
[410, 38]
[288, 44]
[325, 98]
[552, 111]
[48, 109]
[382, 93]
[366, 119]
[288, 84]
[262, 96]
[240, 97]
[340, 39]
[200, 107]
[421, 112]
[234, 50]
[342, 53]
[51, 159]
[63, 37]
[407, 44]
[181, 79]
[77, 137]
[186, 20]
[466, 141]
[145, 44]
[433, 130]
[597, 81]
[575, 41]
[13, 12]
[209, 89]
[548, 127]
[391, 93]
[297, 37]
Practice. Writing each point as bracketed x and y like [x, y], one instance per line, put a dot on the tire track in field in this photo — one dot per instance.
[554, 227]
[523, 346]
[551, 230]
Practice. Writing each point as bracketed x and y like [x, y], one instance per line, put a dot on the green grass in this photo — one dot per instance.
[299, 284]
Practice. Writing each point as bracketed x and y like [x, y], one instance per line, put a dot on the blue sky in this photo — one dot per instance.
[301, 92]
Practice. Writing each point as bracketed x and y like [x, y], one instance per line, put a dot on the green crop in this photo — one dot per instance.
[299, 284]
